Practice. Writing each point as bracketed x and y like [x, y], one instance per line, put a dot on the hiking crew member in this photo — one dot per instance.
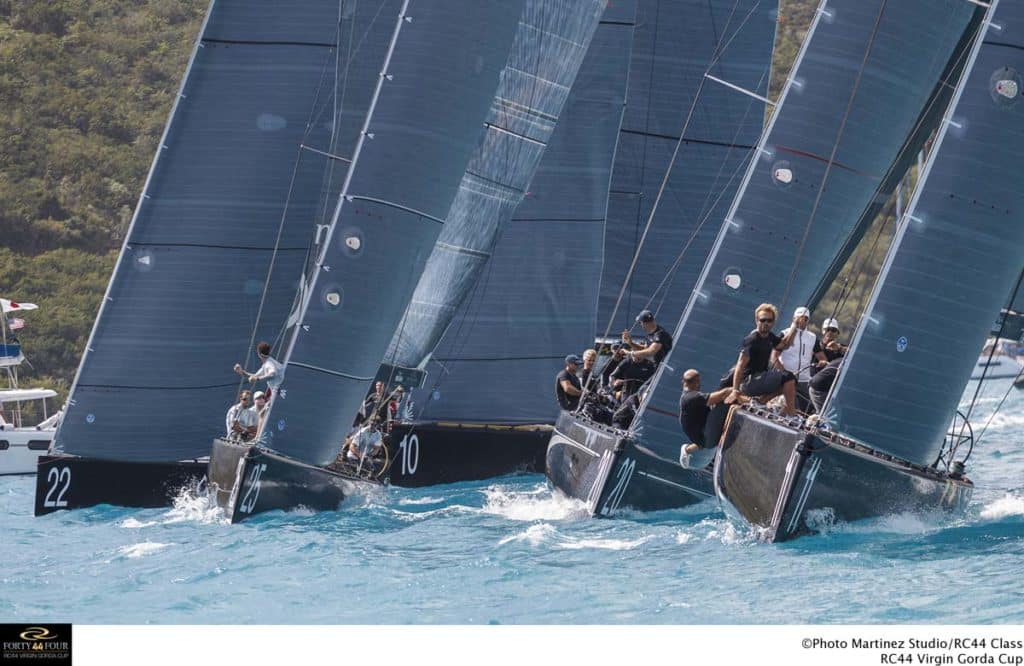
[694, 409]
[753, 375]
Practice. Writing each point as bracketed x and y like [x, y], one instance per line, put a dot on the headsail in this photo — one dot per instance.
[675, 44]
[954, 260]
[549, 47]
[424, 121]
[857, 91]
[184, 299]
[534, 301]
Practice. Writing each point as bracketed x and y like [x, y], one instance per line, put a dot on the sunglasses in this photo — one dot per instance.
[766, 321]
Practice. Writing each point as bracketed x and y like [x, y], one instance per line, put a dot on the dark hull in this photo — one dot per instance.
[69, 482]
[788, 482]
[609, 471]
[424, 454]
[248, 480]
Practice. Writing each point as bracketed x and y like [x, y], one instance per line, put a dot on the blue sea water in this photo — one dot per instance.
[511, 550]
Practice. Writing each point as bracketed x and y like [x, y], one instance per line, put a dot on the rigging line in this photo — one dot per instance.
[707, 207]
[991, 353]
[832, 156]
[993, 414]
[281, 223]
[664, 182]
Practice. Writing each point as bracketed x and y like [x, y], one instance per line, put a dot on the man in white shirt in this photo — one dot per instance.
[242, 420]
[800, 356]
[270, 371]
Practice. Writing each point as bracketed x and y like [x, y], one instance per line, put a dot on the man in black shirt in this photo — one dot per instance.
[567, 385]
[754, 375]
[830, 344]
[659, 341]
[618, 353]
[694, 409]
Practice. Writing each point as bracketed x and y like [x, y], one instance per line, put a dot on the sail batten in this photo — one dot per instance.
[943, 278]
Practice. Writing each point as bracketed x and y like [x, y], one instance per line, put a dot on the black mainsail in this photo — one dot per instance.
[954, 259]
[487, 407]
[424, 121]
[185, 297]
[859, 88]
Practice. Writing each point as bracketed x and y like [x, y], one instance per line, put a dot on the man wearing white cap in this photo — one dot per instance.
[830, 345]
[800, 356]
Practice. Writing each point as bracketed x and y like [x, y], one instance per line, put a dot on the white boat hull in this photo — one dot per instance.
[20, 449]
[999, 367]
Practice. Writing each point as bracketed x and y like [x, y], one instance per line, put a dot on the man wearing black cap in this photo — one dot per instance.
[659, 341]
[567, 385]
[618, 353]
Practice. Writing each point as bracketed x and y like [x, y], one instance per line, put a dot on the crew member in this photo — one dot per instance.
[567, 385]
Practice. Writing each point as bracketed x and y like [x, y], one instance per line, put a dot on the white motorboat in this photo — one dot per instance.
[21, 442]
[1004, 363]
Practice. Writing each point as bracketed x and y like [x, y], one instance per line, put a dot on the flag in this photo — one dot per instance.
[16, 324]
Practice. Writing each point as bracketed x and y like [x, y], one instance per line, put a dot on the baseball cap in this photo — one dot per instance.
[802, 312]
[572, 358]
[257, 395]
[645, 316]
[830, 323]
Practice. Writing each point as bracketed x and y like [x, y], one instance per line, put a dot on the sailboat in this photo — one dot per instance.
[433, 84]
[683, 139]
[527, 276]
[851, 115]
[890, 439]
[21, 444]
[210, 261]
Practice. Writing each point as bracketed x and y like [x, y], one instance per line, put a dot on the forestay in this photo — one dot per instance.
[954, 260]
[424, 121]
[534, 301]
[550, 44]
[676, 43]
[155, 380]
[857, 91]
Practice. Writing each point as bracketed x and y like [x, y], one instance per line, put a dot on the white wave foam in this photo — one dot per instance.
[1008, 505]
[420, 500]
[541, 503]
[604, 544]
[189, 507]
[533, 535]
[140, 549]
[132, 524]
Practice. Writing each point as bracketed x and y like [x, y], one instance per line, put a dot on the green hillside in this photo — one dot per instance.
[85, 88]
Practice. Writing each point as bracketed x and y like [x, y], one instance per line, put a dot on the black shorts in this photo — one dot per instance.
[764, 383]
